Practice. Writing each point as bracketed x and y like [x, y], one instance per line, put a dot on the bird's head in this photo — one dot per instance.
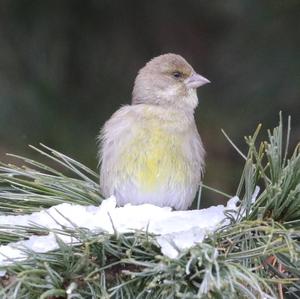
[168, 80]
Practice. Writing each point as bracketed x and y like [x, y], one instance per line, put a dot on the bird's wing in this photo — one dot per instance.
[113, 136]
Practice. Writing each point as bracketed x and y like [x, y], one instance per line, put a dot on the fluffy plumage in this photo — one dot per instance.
[150, 151]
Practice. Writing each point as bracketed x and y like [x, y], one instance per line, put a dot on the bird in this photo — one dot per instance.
[150, 151]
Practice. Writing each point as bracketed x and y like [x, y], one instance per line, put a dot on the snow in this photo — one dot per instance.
[175, 230]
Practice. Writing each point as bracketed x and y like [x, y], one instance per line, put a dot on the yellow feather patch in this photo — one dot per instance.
[154, 157]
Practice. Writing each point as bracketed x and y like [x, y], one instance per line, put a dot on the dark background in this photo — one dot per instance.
[66, 66]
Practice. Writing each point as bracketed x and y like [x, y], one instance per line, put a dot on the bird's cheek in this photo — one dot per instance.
[167, 94]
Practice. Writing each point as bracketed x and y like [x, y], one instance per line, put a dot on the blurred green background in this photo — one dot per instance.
[66, 66]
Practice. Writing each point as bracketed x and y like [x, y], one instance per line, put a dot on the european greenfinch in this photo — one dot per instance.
[151, 151]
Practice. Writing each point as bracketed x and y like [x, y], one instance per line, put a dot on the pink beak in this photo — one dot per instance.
[195, 81]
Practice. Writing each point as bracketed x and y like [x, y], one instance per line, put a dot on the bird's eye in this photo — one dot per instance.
[177, 75]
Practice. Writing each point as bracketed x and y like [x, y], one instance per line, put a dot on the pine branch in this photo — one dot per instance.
[256, 256]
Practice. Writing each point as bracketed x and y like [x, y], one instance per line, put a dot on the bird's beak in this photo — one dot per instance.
[195, 81]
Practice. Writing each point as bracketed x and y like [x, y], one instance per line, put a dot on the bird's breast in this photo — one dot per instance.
[155, 157]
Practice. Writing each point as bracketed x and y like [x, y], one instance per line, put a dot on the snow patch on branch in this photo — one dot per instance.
[175, 230]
